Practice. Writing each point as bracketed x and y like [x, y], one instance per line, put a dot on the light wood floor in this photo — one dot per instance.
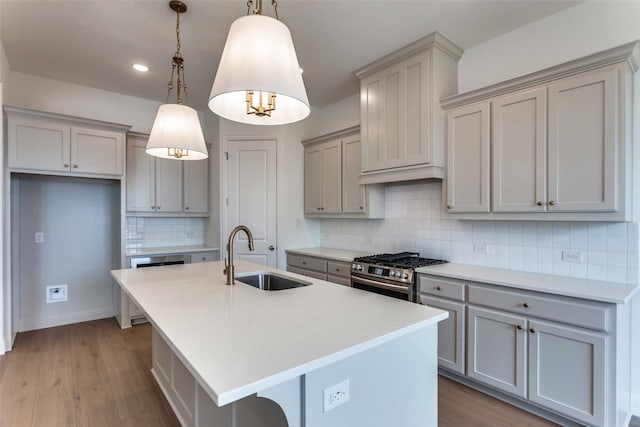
[94, 374]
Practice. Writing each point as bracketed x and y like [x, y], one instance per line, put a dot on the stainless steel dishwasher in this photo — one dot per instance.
[135, 314]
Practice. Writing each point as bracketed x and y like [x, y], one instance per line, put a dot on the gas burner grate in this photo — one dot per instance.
[400, 260]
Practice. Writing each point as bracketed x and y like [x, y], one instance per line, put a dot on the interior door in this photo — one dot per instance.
[251, 198]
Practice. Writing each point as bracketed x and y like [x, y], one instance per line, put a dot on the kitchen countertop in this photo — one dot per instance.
[169, 250]
[329, 253]
[596, 290]
[238, 340]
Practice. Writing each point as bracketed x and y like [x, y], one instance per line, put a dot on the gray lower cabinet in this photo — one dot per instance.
[320, 268]
[565, 355]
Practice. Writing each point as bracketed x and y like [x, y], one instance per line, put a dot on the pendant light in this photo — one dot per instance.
[259, 80]
[176, 131]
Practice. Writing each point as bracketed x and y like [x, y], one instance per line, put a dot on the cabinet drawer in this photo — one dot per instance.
[204, 256]
[442, 287]
[339, 280]
[315, 275]
[342, 269]
[561, 309]
[309, 263]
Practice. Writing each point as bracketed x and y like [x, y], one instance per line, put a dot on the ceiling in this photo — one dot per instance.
[95, 42]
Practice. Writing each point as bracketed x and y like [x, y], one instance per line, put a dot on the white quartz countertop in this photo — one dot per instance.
[329, 253]
[168, 250]
[238, 340]
[611, 292]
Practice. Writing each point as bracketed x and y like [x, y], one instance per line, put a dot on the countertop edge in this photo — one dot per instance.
[438, 271]
[344, 255]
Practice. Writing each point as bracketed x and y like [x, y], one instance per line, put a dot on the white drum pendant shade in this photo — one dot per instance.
[177, 127]
[259, 56]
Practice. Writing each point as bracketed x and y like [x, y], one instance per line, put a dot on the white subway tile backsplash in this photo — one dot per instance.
[415, 222]
[160, 232]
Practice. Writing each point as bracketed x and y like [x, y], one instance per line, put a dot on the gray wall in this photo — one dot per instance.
[77, 218]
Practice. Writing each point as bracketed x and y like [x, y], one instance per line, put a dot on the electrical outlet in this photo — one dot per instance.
[39, 237]
[57, 293]
[572, 256]
[480, 248]
[336, 395]
[188, 235]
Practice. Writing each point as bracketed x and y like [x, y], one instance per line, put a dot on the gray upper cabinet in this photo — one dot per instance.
[46, 143]
[560, 144]
[331, 178]
[163, 186]
[519, 152]
[583, 142]
[401, 120]
[468, 158]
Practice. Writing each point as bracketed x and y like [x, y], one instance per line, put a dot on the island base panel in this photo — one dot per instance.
[391, 384]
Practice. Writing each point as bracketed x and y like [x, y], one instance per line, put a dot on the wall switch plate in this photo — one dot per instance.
[480, 248]
[336, 395]
[57, 293]
[39, 238]
[572, 256]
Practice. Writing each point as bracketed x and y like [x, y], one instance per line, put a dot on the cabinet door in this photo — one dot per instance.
[451, 334]
[96, 151]
[519, 152]
[394, 115]
[468, 158]
[141, 177]
[332, 177]
[567, 370]
[312, 179]
[583, 143]
[496, 353]
[196, 186]
[168, 185]
[38, 145]
[353, 194]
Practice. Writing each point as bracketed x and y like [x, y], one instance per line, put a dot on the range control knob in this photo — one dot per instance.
[405, 276]
[392, 273]
[359, 267]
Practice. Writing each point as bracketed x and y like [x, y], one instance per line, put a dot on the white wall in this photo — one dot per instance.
[54, 96]
[293, 230]
[575, 32]
[340, 115]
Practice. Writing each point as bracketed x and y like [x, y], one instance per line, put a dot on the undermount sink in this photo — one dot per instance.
[270, 281]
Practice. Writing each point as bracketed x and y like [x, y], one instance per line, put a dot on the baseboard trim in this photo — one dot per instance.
[66, 319]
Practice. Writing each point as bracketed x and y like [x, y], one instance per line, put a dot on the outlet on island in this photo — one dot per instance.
[336, 395]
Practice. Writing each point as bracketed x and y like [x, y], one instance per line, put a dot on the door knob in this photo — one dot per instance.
[271, 247]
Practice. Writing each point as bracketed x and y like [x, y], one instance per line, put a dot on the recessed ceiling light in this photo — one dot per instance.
[141, 68]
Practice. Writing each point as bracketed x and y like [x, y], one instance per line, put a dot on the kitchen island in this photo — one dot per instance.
[224, 354]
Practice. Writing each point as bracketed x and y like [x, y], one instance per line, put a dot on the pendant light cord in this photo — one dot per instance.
[177, 63]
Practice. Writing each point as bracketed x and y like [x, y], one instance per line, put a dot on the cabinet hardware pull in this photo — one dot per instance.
[186, 208]
[304, 263]
[438, 288]
[551, 202]
[361, 208]
[271, 247]
[75, 166]
[338, 270]
[525, 305]
[519, 327]
[539, 203]
[533, 331]
[158, 207]
[448, 206]
[318, 208]
[153, 207]
[66, 165]
[204, 259]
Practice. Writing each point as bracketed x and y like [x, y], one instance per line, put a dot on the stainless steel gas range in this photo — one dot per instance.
[390, 274]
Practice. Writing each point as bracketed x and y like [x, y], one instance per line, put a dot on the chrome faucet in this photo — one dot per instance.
[228, 262]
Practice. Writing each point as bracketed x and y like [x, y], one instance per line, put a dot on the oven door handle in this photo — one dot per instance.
[377, 284]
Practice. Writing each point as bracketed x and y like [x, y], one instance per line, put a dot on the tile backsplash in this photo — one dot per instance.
[414, 221]
[162, 232]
